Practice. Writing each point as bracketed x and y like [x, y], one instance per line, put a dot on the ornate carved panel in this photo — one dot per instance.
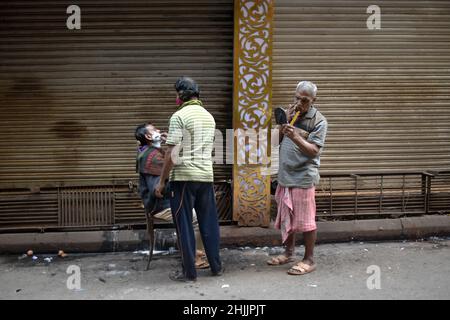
[252, 111]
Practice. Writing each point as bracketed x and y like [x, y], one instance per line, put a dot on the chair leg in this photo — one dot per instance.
[151, 236]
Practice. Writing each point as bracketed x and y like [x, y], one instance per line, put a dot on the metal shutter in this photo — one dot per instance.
[70, 99]
[384, 92]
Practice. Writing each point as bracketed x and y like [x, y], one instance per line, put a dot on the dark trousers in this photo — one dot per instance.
[186, 195]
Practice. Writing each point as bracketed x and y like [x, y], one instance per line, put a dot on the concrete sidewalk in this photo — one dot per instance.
[231, 236]
[388, 270]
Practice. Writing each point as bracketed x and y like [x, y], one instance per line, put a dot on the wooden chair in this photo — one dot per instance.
[223, 197]
[152, 222]
[151, 236]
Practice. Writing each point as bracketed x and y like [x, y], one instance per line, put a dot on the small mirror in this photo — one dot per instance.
[280, 116]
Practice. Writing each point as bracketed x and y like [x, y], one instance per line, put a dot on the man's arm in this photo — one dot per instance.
[308, 148]
[292, 109]
[167, 167]
[173, 141]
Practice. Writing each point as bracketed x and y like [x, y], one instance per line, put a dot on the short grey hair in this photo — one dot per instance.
[307, 86]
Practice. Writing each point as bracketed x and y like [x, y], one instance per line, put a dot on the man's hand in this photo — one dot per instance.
[168, 165]
[308, 148]
[163, 137]
[290, 132]
[159, 189]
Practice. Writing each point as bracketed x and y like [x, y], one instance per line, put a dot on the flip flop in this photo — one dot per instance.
[201, 264]
[279, 260]
[301, 268]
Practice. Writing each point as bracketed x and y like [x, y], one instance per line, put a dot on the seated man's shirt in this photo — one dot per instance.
[149, 164]
[150, 160]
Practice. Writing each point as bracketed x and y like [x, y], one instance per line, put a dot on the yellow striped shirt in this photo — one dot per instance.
[191, 130]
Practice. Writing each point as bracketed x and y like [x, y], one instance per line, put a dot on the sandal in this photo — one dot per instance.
[301, 268]
[279, 260]
[201, 264]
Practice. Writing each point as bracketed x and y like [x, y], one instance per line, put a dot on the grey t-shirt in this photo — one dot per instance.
[297, 169]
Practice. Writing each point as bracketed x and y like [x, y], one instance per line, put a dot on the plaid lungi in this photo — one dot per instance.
[296, 210]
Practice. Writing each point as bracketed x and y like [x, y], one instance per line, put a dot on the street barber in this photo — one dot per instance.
[190, 141]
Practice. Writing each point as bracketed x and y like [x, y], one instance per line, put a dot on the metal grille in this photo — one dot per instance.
[86, 207]
[439, 193]
[224, 200]
[371, 194]
[337, 197]
[129, 209]
[24, 209]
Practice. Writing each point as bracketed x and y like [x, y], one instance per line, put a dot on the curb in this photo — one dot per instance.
[231, 236]
[344, 231]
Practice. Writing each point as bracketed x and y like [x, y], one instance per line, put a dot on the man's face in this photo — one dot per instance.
[303, 100]
[150, 131]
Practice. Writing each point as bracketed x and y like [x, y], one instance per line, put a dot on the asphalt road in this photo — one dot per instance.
[387, 270]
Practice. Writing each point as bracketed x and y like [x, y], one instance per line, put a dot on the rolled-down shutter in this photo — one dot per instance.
[384, 92]
[71, 99]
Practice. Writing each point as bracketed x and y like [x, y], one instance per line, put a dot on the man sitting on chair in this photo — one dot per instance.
[149, 164]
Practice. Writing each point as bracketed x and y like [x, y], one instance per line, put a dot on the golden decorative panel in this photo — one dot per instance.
[252, 111]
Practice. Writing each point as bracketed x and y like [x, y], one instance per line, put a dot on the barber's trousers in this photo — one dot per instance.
[185, 196]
